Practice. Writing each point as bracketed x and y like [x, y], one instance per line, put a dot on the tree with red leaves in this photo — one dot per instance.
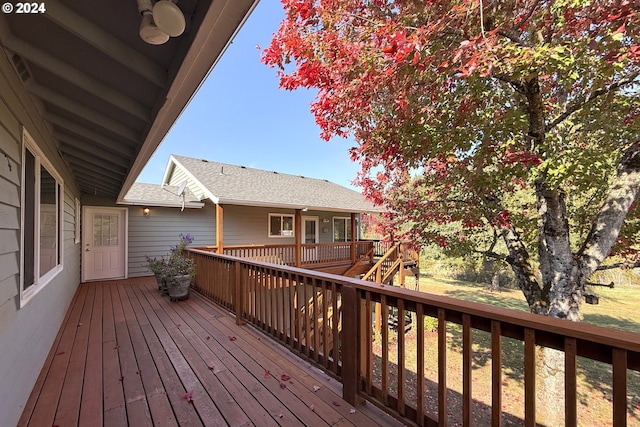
[508, 128]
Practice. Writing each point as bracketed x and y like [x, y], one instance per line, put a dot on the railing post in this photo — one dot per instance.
[298, 237]
[238, 296]
[351, 347]
[352, 249]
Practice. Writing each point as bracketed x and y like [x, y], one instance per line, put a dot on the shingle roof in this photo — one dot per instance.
[159, 195]
[241, 185]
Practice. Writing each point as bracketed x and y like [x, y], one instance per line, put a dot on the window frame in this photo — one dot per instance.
[40, 162]
[347, 223]
[76, 221]
[282, 216]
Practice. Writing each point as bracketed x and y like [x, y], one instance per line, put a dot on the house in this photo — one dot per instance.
[84, 102]
[229, 207]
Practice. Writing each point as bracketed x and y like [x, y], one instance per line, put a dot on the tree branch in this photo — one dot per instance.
[525, 18]
[605, 230]
[580, 103]
[622, 265]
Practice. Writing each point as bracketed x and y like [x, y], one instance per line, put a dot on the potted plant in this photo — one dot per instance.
[180, 270]
[158, 266]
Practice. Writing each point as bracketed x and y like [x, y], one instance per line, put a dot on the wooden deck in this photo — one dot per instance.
[127, 356]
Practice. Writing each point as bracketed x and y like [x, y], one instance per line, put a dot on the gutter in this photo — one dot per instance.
[156, 204]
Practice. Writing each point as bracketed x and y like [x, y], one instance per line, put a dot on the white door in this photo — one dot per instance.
[104, 246]
[310, 234]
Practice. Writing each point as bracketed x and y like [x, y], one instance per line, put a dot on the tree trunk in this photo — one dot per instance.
[550, 387]
[563, 272]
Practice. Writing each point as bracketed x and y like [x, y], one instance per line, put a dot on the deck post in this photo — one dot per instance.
[219, 229]
[350, 345]
[298, 237]
[353, 238]
[238, 296]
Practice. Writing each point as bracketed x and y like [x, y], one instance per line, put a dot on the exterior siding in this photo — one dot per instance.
[154, 235]
[178, 176]
[246, 225]
[27, 332]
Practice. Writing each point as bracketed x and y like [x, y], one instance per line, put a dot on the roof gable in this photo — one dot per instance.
[240, 185]
[141, 194]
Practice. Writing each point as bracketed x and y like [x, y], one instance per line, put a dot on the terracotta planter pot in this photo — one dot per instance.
[178, 287]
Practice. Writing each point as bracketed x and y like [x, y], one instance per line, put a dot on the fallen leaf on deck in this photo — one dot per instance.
[280, 415]
[208, 338]
[352, 411]
[188, 396]
[60, 352]
[233, 338]
[121, 379]
[283, 386]
[336, 403]
[79, 324]
[267, 374]
[313, 408]
[316, 388]
[211, 367]
[116, 347]
[285, 377]
[139, 372]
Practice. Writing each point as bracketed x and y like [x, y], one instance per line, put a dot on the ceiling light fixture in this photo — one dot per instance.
[160, 21]
[169, 18]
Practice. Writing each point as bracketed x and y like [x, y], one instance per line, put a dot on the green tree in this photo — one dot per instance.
[507, 127]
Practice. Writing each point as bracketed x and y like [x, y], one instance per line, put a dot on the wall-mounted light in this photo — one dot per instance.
[146, 211]
[325, 220]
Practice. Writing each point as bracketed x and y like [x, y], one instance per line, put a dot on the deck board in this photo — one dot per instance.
[126, 356]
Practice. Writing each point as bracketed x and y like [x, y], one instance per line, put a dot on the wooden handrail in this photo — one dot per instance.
[278, 300]
[378, 265]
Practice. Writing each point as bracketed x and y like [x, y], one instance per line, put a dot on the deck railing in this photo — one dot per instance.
[312, 254]
[328, 320]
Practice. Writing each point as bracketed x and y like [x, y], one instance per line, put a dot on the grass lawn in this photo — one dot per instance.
[618, 308]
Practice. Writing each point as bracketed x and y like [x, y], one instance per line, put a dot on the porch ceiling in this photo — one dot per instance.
[109, 98]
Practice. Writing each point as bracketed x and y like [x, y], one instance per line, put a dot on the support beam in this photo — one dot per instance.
[76, 77]
[81, 166]
[115, 146]
[297, 224]
[83, 111]
[105, 42]
[93, 160]
[219, 229]
[69, 143]
[353, 238]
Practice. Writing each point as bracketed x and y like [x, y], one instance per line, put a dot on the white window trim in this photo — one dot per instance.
[281, 215]
[333, 228]
[76, 223]
[40, 282]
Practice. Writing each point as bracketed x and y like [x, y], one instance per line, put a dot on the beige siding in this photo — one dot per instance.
[27, 332]
[154, 235]
[178, 176]
[245, 225]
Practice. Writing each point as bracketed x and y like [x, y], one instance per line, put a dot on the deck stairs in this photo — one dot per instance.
[398, 264]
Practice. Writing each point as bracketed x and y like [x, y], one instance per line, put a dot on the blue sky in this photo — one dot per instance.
[239, 116]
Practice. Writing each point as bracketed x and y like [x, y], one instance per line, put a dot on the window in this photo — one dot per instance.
[280, 225]
[42, 193]
[341, 229]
